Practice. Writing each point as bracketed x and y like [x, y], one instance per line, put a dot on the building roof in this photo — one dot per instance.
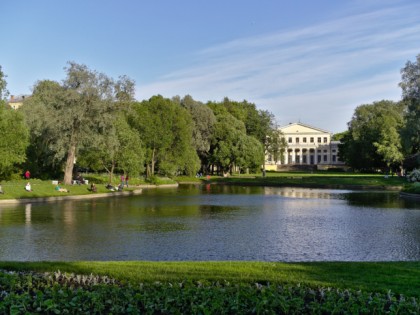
[304, 125]
[17, 98]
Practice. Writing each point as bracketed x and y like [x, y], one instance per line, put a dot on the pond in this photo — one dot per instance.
[214, 222]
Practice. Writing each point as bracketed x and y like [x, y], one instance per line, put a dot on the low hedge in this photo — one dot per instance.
[59, 293]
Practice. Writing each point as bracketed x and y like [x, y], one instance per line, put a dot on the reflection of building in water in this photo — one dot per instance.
[300, 193]
[308, 147]
[28, 213]
[68, 213]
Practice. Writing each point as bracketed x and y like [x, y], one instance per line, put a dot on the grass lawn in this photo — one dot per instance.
[16, 189]
[317, 179]
[399, 277]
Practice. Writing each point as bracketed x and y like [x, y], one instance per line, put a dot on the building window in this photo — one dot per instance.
[297, 140]
[325, 151]
[312, 139]
[333, 151]
[319, 151]
[319, 139]
[325, 139]
[290, 139]
[319, 159]
[334, 158]
[325, 158]
[304, 139]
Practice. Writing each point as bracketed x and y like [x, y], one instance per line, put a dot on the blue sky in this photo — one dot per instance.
[303, 60]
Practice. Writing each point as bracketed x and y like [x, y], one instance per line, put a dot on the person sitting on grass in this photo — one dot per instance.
[28, 186]
[110, 187]
[93, 187]
[58, 188]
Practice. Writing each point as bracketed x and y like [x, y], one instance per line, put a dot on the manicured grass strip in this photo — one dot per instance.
[399, 277]
[64, 293]
[41, 189]
[318, 180]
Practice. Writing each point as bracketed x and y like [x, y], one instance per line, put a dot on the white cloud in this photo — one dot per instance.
[317, 74]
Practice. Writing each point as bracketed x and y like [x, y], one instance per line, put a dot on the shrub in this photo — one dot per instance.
[58, 293]
[414, 176]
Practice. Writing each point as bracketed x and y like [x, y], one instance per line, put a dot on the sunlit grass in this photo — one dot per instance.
[400, 277]
[316, 179]
[45, 188]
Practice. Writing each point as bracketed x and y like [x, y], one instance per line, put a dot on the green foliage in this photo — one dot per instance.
[339, 136]
[231, 146]
[3, 86]
[64, 118]
[118, 148]
[30, 292]
[373, 139]
[414, 176]
[203, 120]
[14, 140]
[410, 84]
[165, 129]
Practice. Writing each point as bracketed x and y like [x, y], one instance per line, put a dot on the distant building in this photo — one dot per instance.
[16, 101]
[306, 146]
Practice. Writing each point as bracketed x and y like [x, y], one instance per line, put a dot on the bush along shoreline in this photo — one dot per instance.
[63, 293]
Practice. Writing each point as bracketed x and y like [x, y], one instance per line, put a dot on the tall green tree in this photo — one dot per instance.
[120, 148]
[231, 146]
[275, 145]
[259, 124]
[373, 140]
[69, 115]
[14, 140]
[203, 121]
[165, 129]
[3, 87]
[14, 133]
[410, 85]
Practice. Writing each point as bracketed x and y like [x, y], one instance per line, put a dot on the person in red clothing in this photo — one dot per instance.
[27, 174]
[126, 180]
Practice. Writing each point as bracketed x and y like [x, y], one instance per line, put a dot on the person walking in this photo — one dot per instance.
[27, 174]
[126, 180]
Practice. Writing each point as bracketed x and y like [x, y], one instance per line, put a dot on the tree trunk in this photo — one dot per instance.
[111, 172]
[153, 163]
[147, 170]
[68, 171]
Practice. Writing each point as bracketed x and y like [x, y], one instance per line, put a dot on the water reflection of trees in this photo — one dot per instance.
[380, 200]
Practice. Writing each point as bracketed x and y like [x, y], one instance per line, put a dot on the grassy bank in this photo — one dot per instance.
[399, 277]
[317, 179]
[44, 188]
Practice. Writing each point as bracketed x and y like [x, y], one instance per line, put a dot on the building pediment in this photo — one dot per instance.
[296, 128]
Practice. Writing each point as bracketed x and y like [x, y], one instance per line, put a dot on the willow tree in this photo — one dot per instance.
[69, 114]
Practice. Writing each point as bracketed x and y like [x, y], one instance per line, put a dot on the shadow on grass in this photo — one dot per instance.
[399, 277]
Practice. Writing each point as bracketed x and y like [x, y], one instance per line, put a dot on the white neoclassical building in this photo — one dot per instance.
[306, 145]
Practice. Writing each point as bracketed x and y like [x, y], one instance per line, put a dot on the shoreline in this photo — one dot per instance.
[409, 195]
[137, 191]
[322, 186]
[72, 197]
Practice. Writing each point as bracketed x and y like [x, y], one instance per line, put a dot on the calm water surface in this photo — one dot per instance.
[216, 223]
